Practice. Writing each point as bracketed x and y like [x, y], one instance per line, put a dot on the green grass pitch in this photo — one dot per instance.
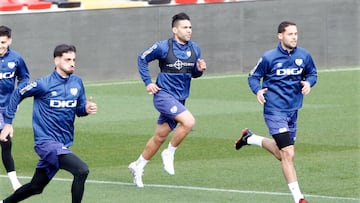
[208, 168]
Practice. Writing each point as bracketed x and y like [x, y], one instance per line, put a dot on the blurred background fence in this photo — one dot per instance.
[232, 35]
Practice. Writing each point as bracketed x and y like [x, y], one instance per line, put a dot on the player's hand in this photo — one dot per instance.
[260, 95]
[306, 88]
[91, 107]
[6, 132]
[201, 65]
[152, 88]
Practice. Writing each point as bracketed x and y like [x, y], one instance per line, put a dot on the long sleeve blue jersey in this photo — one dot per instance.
[56, 102]
[178, 85]
[12, 68]
[281, 72]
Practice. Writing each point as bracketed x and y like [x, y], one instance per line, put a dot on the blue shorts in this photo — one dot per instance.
[169, 107]
[48, 153]
[280, 122]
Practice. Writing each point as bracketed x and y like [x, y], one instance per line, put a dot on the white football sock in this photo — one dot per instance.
[170, 148]
[255, 140]
[141, 162]
[14, 180]
[295, 191]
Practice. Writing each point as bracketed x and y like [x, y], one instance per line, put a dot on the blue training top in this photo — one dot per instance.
[56, 102]
[281, 72]
[176, 84]
[12, 67]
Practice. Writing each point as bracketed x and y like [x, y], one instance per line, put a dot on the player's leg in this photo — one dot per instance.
[287, 153]
[79, 169]
[151, 147]
[35, 186]
[270, 146]
[284, 135]
[250, 138]
[155, 142]
[186, 123]
[9, 164]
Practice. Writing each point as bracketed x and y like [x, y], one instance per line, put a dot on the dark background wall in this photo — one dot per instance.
[232, 35]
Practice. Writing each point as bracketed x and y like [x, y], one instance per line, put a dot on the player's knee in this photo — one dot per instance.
[189, 123]
[288, 153]
[85, 172]
[36, 189]
[159, 139]
[82, 172]
[187, 120]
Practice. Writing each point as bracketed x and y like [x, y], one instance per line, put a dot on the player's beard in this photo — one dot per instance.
[69, 72]
[66, 71]
[183, 39]
[290, 46]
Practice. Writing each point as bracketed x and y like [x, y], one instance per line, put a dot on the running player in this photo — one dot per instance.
[287, 72]
[58, 98]
[12, 67]
[179, 61]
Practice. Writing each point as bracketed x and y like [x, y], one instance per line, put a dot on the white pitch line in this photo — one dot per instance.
[198, 188]
[96, 84]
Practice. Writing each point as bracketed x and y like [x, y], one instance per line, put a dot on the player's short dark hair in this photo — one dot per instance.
[63, 48]
[283, 25]
[5, 31]
[177, 17]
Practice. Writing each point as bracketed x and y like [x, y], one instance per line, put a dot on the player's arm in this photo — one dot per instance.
[152, 53]
[84, 106]
[91, 107]
[254, 80]
[310, 72]
[6, 132]
[200, 65]
[310, 76]
[22, 72]
[156, 51]
[24, 90]
[256, 74]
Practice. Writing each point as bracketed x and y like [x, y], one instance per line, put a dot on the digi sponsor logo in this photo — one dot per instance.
[289, 71]
[7, 75]
[63, 103]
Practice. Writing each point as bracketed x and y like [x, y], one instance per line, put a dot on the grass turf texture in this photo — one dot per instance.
[208, 168]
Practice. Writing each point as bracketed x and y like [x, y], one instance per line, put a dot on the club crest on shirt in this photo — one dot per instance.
[11, 64]
[299, 62]
[73, 91]
[188, 53]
